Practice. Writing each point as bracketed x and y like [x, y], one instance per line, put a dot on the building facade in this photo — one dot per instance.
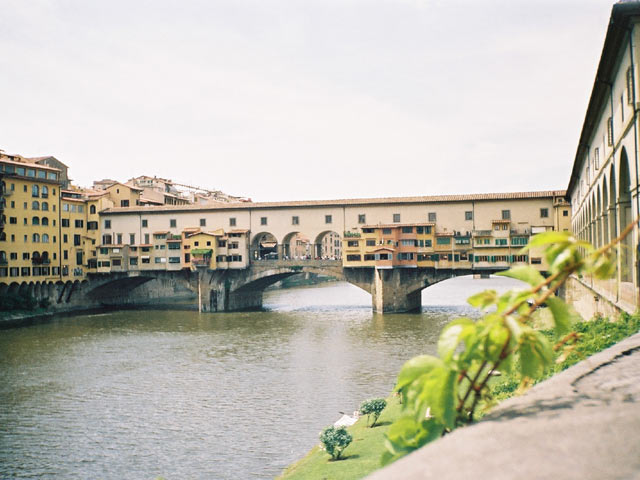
[603, 187]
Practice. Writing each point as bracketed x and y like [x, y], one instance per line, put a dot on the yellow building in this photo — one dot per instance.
[29, 213]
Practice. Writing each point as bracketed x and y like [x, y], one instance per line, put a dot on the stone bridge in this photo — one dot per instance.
[392, 290]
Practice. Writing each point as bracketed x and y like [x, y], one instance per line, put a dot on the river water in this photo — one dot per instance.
[182, 395]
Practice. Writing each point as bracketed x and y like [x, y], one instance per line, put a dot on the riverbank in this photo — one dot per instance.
[368, 447]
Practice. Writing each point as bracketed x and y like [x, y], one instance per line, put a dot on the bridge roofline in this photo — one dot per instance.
[337, 203]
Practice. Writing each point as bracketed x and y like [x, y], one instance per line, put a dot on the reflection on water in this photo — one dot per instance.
[139, 394]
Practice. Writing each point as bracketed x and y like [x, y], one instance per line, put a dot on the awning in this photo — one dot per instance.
[201, 251]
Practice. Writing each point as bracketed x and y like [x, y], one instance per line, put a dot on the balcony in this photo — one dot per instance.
[200, 262]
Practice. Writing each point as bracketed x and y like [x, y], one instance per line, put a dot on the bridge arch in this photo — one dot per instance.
[328, 245]
[296, 245]
[263, 244]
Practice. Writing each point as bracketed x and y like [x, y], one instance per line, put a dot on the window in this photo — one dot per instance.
[173, 223]
[408, 243]
[596, 158]
[35, 191]
[45, 206]
[407, 229]
[432, 216]
[468, 215]
[232, 221]
[427, 243]
[353, 258]
[263, 220]
[506, 214]
[133, 260]
[35, 238]
[405, 256]
[609, 137]
[173, 246]
[64, 222]
[44, 221]
[501, 241]
[146, 239]
[544, 213]
[371, 243]
[92, 225]
[354, 243]
[79, 223]
[44, 192]
[132, 239]
[174, 259]
[295, 220]
[107, 224]
[76, 240]
[536, 261]
[565, 213]
[119, 239]
[396, 218]
[386, 231]
[65, 254]
[145, 223]
[362, 218]
[65, 238]
[35, 221]
[328, 219]
[79, 259]
[35, 205]
[106, 239]
[92, 209]
[203, 222]
[443, 241]
[13, 220]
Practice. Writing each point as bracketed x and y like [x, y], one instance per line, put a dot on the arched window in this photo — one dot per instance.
[3, 237]
[3, 256]
[45, 206]
[45, 192]
[35, 191]
[36, 238]
[92, 209]
[45, 221]
[35, 221]
[45, 238]
[44, 257]
[35, 205]
[35, 256]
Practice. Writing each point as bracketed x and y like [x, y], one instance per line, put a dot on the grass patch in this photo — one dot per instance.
[362, 457]
[359, 459]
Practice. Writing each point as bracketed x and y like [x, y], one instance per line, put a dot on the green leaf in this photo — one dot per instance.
[512, 297]
[406, 434]
[562, 316]
[483, 299]
[438, 392]
[416, 367]
[535, 353]
[451, 336]
[524, 273]
[547, 238]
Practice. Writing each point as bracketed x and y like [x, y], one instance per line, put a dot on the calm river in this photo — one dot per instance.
[177, 394]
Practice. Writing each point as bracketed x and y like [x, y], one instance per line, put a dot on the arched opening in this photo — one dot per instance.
[92, 209]
[624, 211]
[35, 205]
[45, 207]
[45, 221]
[328, 246]
[613, 220]
[605, 210]
[264, 246]
[296, 246]
[35, 221]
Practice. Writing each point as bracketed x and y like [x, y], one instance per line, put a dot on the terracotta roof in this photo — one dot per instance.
[340, 202]
[23, 164]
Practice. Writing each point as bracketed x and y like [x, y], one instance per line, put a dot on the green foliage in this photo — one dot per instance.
[335, 440]
[373, 408]
[446, 391]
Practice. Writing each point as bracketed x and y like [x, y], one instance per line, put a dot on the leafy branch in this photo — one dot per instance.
[441, 393]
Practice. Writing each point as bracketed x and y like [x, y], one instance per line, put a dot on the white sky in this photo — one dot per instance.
[292, 100]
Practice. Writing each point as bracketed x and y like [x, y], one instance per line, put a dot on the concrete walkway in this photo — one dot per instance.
[583, 423]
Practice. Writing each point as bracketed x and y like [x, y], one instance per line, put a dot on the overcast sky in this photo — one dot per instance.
[287, 100]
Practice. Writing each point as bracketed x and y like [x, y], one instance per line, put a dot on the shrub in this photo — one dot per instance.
[373, 407]
[335, 440]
